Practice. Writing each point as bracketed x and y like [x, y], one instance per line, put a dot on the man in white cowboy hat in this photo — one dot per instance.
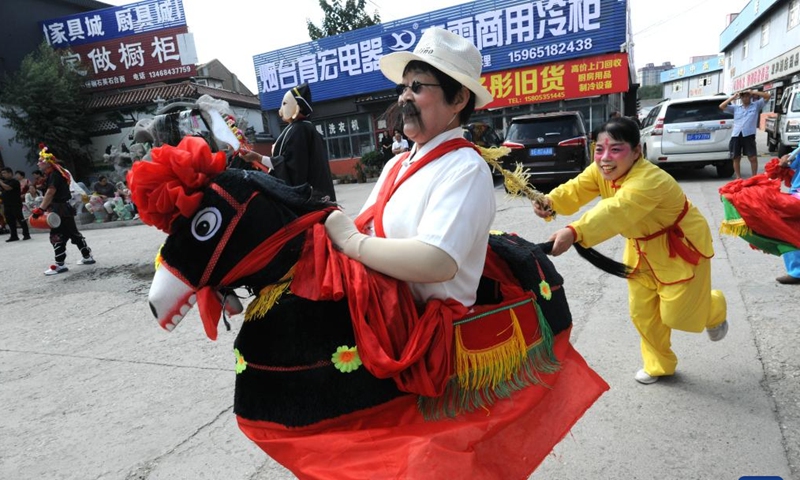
[427, 223]
[435, 225]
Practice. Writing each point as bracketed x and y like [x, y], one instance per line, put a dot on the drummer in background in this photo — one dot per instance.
[56, 200]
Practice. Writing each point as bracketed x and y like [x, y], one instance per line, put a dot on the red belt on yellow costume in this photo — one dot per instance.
[679, 245]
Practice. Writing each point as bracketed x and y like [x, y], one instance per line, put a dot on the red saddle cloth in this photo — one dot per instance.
[505, 439]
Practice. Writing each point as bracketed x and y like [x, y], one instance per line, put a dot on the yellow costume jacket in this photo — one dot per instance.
[645, 201]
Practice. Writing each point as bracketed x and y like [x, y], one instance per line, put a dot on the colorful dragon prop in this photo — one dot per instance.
[338, 373]
[757, 211]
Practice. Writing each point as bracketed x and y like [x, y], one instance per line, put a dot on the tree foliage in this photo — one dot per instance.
[44, 101]
[341, 18]
[651, 92]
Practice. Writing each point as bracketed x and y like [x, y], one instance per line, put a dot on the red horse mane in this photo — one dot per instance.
[172, 184]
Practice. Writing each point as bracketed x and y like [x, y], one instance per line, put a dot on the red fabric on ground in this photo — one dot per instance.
[506, 441]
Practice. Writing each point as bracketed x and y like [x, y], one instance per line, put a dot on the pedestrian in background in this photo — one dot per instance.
[106, 191]
[39, 182]
[12, 204]
[386, 147]
[23, 182]
[400, 144]
[56, 199]
[745, 122]
[31, 200]
[668, 243]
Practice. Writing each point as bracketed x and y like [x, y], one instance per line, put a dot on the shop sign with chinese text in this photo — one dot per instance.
[551, 82]
[137, 44]
[780, 67]
[510, 35]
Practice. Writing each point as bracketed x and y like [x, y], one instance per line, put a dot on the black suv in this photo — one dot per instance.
[553, 147]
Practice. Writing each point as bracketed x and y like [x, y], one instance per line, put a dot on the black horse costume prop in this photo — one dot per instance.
[339, 375]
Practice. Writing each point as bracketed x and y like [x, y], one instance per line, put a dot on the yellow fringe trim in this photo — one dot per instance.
[478, 369]
[158, 259]
[735, 227]
[268, 296]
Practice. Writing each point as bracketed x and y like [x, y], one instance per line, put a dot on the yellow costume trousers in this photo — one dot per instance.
[656, 309]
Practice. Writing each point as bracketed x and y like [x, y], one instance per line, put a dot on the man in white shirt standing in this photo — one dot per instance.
[400, 144]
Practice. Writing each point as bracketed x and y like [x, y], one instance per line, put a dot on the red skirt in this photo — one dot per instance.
[506, 441]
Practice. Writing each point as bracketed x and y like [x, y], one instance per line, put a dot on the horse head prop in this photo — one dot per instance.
[227, 228]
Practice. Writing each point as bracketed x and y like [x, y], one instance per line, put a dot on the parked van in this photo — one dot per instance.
[783, 129]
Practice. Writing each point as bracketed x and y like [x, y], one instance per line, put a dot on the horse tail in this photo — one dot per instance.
[608, 265]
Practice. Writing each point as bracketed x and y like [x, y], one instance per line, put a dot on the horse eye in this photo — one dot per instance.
[206, 223]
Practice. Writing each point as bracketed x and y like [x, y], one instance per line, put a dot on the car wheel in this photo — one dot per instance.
[772, 145]
[783, 149]
[725, 170]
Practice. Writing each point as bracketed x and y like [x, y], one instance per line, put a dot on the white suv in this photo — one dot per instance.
[689, 132]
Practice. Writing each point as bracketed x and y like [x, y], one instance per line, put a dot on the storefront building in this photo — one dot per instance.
[762, 48]
[136, 59]
[696, 79]
[538, 56]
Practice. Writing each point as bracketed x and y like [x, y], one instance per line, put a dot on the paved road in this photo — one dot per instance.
[92, 388]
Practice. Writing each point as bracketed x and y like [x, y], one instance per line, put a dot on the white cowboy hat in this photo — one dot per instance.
[455, 56]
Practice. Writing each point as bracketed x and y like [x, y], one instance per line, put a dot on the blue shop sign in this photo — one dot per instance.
[509, 34]
[116, 22]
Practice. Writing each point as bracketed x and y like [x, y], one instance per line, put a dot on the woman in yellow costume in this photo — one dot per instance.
[668, 243]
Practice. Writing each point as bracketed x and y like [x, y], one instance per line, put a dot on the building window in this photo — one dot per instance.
[744, 49]
[729, 60]
[347, 137]
[764, 34]
[704, 81]
[794, 14]
[677, 87]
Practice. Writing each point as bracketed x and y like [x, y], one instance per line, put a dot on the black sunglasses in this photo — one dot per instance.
[415, 87]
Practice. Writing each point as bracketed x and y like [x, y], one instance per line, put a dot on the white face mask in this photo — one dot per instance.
[288, 107]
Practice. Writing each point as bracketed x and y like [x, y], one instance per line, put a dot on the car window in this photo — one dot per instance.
[796, 102]
[546, 127]
[490, 137]
[482, 134]
[707, 110]
[651, 116]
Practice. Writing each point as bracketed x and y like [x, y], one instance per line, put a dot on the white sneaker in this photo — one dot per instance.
[86, 261]
[718, 333]
[56, 269]
[645, 378]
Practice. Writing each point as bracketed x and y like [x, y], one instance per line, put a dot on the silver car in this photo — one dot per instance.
[689, 132]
